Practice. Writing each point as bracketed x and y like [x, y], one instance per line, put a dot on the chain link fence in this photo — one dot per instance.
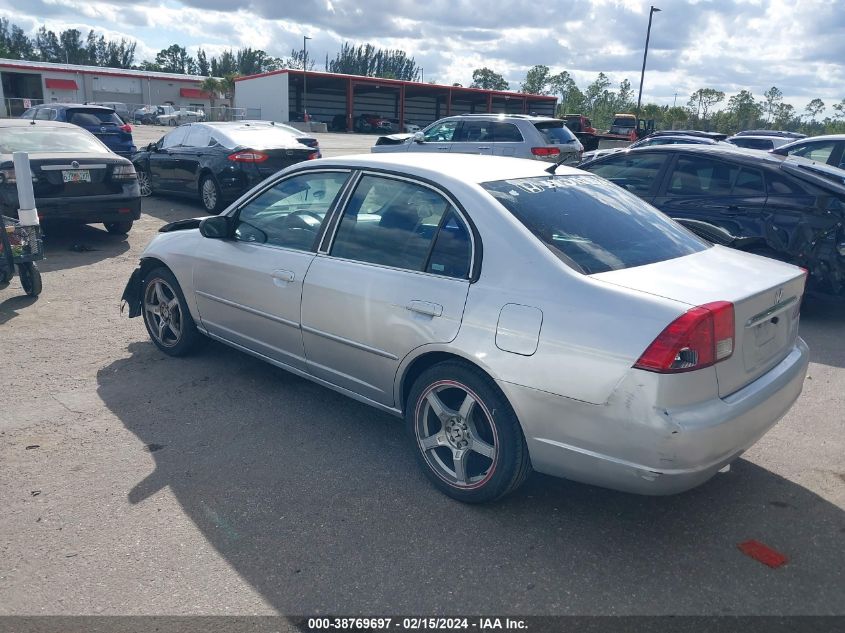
[148, 114]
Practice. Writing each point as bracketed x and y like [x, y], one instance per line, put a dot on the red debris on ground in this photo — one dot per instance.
[762, 553]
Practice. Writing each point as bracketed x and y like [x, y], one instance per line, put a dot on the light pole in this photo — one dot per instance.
[651, 12]
[305, 120]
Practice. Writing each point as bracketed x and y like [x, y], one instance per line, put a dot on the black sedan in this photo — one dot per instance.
[785, 208]
[217, 162]
[75, 177]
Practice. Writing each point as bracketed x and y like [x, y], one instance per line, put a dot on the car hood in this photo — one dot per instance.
[394, 139]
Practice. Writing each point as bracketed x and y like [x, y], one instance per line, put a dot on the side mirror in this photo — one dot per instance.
[216, 227]
[419, 137]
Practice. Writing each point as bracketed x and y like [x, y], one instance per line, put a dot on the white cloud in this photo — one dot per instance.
[796, 45]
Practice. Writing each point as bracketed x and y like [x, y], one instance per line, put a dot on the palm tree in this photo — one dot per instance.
[214, 87]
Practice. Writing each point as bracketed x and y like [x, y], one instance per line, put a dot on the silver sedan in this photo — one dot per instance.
[517, 317]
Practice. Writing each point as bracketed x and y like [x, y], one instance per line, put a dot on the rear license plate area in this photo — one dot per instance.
[76, 175]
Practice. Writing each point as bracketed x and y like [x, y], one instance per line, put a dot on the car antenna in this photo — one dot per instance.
[551, 169]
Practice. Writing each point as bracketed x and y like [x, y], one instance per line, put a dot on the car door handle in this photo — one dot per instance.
[443, 148]
[281, 277]
[483, 147]
[425, 307]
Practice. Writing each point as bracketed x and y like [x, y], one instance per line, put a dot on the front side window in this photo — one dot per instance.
[636, 173]
[441, 132]
[291, 212]
[175, 138]
[198, 136]
[591, 225]
[394, 223]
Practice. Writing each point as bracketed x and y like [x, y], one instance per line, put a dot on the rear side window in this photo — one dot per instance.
[591, 225]
[702, 176]
[506, 133]
[93, 117]
[637, 172]
[396, 223]
[554, 132]
[474, 132]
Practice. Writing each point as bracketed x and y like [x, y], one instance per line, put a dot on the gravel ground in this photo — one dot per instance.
[133, 483]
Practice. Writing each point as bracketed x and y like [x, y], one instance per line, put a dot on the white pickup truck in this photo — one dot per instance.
[169, 115]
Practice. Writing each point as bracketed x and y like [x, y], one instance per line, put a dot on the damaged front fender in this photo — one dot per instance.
[132, 294]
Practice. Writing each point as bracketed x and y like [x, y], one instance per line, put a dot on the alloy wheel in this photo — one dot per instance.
[209, 194]
[144, 183]
[164, 314]
[455, 433]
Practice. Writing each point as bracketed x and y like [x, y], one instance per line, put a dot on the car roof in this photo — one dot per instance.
[815, 139]
[502, 116]
[471, 168]
[87, 106]
[731, 152]
[38, 122]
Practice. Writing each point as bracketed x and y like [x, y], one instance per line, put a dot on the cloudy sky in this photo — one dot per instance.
[796, 45]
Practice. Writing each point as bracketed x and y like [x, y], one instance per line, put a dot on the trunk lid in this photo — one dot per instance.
[279, 158]
[766, 295]
[50, 180]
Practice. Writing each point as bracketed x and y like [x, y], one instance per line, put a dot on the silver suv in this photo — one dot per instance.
[517, 135]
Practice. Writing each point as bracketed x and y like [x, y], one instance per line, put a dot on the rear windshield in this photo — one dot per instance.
[49, 139]
[593, 225]
[753, 143]
[624, 121]
[555, 132]
[93, 117]
[255, 137]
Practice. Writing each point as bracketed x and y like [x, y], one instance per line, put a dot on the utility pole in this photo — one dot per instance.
[305, 118]
[651, 12]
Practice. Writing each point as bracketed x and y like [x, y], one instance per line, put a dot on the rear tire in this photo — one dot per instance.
[466, 436]
[210, 195]
[166, 315]
[119, 228]
[30, 278]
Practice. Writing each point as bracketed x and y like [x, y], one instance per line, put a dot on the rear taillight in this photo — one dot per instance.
[248, 156]
[313, 156]
[123, 172]
[698, 338]
[126, 128]
[545, 151]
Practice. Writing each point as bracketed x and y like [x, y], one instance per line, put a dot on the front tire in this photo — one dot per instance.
[466, 436]
[166, 315]
[119, 228]
[210, 195]
[30, 278]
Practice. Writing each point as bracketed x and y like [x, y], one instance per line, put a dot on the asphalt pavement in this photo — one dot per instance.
[135, 483]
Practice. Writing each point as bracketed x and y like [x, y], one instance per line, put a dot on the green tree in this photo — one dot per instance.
[175, 59]
[536, 80]
[784, 117]
[814, 109]
[488, 79]
[203, 67]
[48, 47]
[599, 101]
[370, 61]
[743, 110]
[571, 98]
[771, 99]
[702, 101]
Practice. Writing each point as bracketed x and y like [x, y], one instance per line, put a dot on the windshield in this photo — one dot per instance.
[555, 132]
[46, 139]
[593, 225]
[255, 137]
